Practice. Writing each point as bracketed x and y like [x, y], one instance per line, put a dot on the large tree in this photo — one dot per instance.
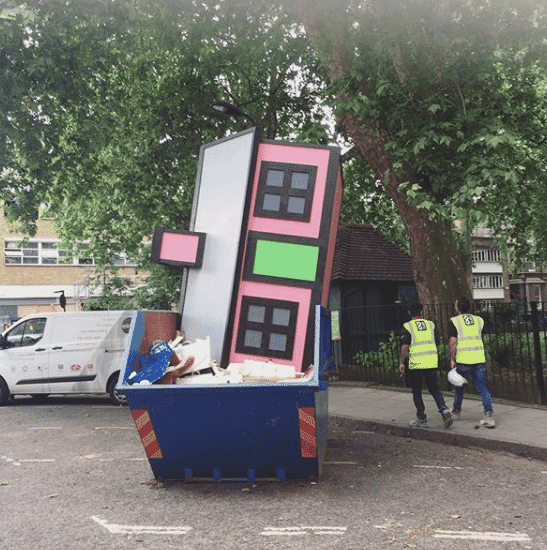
[107, 104]
[445, 101]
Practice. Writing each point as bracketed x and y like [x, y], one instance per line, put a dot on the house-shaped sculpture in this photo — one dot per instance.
[260, 248]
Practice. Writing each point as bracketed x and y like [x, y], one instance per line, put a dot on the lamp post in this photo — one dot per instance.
[231, 110]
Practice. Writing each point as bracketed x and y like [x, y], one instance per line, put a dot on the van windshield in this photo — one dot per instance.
[27, 333]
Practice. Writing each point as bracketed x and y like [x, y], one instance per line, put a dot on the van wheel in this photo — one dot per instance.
[116, 397]
[4, 392]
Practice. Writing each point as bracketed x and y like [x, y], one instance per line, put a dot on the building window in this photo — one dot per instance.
[285, 191]
[17, 252]
[267, 327]
[33, 253]
[535, 293]
[487, 281]
[481, 255]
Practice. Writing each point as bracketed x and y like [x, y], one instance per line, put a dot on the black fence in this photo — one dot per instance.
[515, 338]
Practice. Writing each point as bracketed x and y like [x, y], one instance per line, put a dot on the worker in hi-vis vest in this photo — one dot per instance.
[468, 358]
[419, 345]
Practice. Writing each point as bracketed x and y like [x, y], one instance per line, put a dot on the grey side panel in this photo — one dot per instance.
[219, 206]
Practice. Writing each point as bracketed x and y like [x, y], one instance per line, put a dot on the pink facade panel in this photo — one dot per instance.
[291, 154]
[179, 247]
[302, 296]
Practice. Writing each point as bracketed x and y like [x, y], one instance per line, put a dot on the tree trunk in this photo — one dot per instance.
[439, 266]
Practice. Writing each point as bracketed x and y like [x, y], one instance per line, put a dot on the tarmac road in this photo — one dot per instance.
[73, 475]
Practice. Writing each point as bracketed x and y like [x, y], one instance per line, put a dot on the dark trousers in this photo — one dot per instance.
[431, 377]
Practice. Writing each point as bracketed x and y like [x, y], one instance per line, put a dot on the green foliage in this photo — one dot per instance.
[115, 293]
[365, 201]
[508, 350]
[106, 106]
[456, 92]
[386, 357]
[160, 290]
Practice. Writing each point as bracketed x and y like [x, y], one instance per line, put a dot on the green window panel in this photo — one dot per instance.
[287, 260]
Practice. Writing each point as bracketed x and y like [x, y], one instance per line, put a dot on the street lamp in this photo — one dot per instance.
[231, 110]
[62, 298]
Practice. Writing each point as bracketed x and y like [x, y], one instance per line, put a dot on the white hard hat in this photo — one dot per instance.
[456, 379]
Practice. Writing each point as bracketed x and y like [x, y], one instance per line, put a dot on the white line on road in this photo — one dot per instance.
[349, 462]
[114, 428]
[473, 535]
[441, 467]
[18, 462]
[46, 428]
[303, 530]
[140, 529]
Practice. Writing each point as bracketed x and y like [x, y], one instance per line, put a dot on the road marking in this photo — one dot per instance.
[442, 467]
[474, 535]
[302, 531]
[18, 462]
[349, 462]
[114, 428]
[140, 529]
[46, 428]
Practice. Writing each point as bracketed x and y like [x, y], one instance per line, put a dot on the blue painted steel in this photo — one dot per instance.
[232, 431]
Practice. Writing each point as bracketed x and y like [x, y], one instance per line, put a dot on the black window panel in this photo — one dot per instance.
[285, 191]
[267, 327]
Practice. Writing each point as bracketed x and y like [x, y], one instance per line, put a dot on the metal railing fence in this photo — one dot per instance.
[515, 338]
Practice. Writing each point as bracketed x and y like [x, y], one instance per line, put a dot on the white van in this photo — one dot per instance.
[63, 353]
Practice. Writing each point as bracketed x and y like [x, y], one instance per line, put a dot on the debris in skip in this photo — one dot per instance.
[185, 363]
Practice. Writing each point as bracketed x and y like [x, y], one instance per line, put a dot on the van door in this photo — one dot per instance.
[77, 353]
[26, 357]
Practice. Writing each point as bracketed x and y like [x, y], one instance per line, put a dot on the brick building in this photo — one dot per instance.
[33, 271]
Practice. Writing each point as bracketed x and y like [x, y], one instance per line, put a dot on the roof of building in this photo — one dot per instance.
[363, 254]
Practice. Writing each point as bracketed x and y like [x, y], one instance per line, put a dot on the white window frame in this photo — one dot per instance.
[44, 253]
[487, 281]
[33, 249]
[486, 255]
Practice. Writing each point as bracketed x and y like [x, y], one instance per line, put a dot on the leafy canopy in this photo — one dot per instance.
[111, 103]
[455, 91]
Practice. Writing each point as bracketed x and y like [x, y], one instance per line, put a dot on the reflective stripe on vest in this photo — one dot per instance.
[422, 353]
[470, 349]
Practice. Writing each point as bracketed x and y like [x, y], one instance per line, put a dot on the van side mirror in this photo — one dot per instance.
[3, 341]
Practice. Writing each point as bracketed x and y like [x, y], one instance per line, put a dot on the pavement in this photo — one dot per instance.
[520, 429]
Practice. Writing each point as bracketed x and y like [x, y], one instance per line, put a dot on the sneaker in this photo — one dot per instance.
[419, 423]
[447, 418]
[456, 414]
[488, 421]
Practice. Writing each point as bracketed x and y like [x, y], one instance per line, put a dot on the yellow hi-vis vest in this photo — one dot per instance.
[470, 350]
[422, 353]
